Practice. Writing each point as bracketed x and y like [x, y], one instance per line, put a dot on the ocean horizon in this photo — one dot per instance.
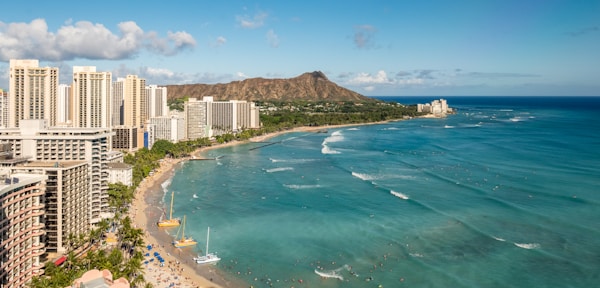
[504, 193]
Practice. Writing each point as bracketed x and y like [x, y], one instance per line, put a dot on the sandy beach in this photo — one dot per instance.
[179, 269]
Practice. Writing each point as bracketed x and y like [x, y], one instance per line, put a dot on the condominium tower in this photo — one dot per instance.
[32, 92]
[157, 101]
[91, 97]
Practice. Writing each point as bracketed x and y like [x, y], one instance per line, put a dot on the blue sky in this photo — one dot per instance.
[394, 47]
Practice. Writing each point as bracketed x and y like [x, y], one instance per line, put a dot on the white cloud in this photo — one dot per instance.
[159, 72]
[253, 22]
[367, 79]
[272, 38]
[241, 75]
[85, 40]
[369, 88]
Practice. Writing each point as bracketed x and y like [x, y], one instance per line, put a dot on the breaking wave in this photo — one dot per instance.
[296, 186]
[279, 169]
[528, 245]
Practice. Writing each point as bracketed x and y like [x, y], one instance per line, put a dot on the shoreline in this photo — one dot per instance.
[179, 268]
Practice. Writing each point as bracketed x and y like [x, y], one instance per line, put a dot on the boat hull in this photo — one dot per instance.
[169, 223]
[208, 259]
[179, 244]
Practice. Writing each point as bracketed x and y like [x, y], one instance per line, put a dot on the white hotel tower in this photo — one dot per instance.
[32, 92]
[91, 97]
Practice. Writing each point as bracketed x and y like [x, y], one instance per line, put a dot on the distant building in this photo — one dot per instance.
[169, 128]
[436, 107]
[157, 101]
[196, 116]
[208, 118]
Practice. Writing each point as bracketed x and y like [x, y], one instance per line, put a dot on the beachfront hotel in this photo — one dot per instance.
[436, 107]
[38, 142]
[67, 189]
[21, 222]
[208, 118]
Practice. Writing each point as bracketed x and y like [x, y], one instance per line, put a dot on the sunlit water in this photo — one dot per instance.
[506, 193]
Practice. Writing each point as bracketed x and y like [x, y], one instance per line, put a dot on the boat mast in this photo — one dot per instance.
[207, 237]
[171, 211]
[183, 230]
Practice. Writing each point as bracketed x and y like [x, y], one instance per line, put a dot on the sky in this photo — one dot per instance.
[376, 48]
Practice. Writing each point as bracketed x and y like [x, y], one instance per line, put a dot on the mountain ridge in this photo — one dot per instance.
[309, 86]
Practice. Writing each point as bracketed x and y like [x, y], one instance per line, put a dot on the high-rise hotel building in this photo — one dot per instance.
[157, 101]
[209, 118]
[32, 92]
[22, 226]
[197, 118]
[64, 109]
[38, 142]
[91, 97]
[130, 135]
[3, 108]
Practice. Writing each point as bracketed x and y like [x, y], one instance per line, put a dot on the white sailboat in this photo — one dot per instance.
[208, 258]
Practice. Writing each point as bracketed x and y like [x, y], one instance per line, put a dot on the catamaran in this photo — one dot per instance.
[171, 222]
[209, 258]
[183, 241]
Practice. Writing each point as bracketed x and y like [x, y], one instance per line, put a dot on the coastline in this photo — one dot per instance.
[179, 268]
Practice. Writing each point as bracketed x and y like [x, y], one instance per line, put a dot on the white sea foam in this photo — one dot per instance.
[165, 185]
[327, 150]
[279, 169]
[295, 186]
[418, 255]
[330, 274]
[499, 239]
[353, 129]
[399, 195]
[391, 128]
[335, 137]
[528, 245]
[335, 273]
[449, 126]
[195, 196]
[365, 177]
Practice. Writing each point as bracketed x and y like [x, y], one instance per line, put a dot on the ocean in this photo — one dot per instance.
[505, 193]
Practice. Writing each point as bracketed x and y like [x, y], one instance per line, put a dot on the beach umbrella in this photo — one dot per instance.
[149, 247]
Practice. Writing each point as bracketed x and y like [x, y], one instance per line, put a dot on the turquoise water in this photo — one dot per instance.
[503, 194]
